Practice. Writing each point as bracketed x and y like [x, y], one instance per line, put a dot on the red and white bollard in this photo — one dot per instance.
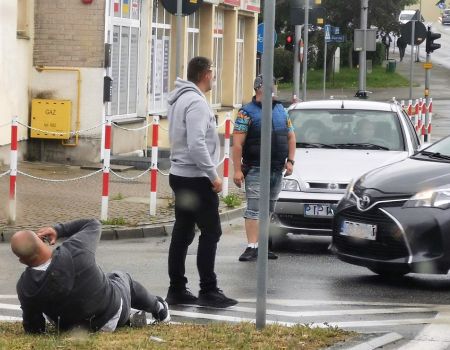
[13, 172]
[402, 104]
[410, 110]
[423, 131]
[226, 161]
[420, 116]
[416, 115]
[106, 168]
[154, 166]
[430, 116]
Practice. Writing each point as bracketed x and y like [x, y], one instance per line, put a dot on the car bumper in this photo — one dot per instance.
[408, 239]
[290, 213]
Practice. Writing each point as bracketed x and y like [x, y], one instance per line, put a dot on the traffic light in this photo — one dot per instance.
[431, 37]
[289, 42]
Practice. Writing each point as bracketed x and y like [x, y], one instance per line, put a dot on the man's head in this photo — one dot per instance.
[29, 248]
[200, 71]
[258, 87]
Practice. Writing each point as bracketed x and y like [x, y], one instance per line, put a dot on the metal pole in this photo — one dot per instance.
[298, 37]
[266, 137]
[305, 45]
[413, 34]
[325, 68]
[362, 54]
[419, 19]
[427, 98]
[179, 40]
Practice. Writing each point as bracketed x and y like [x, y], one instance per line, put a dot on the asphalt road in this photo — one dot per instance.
[306, 285]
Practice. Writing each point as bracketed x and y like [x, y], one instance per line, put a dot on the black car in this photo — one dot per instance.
[445, 17]
[396, 219]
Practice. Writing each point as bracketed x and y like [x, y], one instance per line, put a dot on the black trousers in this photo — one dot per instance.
[195, 203]
[134, 295]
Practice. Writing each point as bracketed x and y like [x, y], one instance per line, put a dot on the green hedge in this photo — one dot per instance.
[283, 64]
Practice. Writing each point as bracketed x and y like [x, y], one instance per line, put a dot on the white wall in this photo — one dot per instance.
[15, 68]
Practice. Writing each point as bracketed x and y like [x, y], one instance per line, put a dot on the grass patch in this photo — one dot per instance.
[179, 336]
[120, 221]
[117, 197]
[348, 79]
[232, 200]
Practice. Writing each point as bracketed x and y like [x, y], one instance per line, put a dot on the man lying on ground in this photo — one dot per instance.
[68, 287]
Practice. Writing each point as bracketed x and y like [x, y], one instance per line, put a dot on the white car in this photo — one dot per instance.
[407, 15]
[337, 141]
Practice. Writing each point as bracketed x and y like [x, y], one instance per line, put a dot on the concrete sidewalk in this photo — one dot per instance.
[439, 85]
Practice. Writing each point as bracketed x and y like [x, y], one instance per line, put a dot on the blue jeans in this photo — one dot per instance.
[252, 189]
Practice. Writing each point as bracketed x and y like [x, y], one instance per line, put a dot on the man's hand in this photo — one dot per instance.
[289, 168]
[48, 233]
[238, 178]
[217, 185]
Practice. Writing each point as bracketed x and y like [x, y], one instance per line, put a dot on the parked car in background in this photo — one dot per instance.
[445, 18]
[396, 219]
[337, 141]
[408, 15]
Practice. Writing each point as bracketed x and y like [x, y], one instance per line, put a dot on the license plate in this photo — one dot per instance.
[318, 210]
[359, 230]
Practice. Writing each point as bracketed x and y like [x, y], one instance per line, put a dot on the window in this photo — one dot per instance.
[23, 25]
[239, 61]
[125, 21]
[218, 56]
[193, 33]
[160, 58]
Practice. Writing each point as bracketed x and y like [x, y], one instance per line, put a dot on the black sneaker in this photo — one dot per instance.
[250, 254]
[215, 298]
[180, 296]
[272, 256]
[163, 315]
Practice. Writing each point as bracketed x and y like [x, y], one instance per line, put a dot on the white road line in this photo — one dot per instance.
[319, 313]
[435, 336]
[8, 296]
[293, 303]
[9, 307]
[10, 318]
[352, 324]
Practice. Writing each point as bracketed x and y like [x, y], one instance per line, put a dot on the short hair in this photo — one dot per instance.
[197, 67]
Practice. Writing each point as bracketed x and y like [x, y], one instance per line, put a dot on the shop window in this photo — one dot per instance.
[239, 62]
[218, 56]
[23, 24]
[193, 33]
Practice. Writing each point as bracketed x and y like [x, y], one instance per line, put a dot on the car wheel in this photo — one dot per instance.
[388, 273]
[277, 238]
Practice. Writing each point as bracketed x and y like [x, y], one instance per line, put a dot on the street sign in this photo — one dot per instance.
[420, 32]
[371, 35]
[260, 38]
[428, 65]
[332, 34]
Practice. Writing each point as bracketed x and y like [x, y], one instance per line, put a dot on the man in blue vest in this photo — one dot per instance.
[246, 160]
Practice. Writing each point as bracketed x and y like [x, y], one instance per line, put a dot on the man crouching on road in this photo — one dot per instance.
[68, 287]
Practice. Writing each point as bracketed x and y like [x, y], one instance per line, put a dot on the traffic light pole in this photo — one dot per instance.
[362, 53]
[427, 95]
[305, 52]
[413, 35]
[298, 37]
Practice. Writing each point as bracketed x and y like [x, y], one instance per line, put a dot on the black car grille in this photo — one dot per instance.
[294, 220]
[389, 243]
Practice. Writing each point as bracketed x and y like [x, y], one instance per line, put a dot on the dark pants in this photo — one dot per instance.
[134, 295]
[195, 203]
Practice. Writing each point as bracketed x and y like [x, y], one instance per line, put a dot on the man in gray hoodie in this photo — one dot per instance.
[195, 152]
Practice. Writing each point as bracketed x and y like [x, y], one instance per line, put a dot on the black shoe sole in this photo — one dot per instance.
[220, 305]
[176, 301]
[247, 259]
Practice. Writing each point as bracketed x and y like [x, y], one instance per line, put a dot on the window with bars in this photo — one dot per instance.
[160, 58]
[124, 34]
[216, 92]
[239, 62]
[193, 33]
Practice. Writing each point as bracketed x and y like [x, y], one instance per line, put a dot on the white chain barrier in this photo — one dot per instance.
[59, 180]
[130, 178]
[133, 129]
[78, 132]
[163, 173]
[5, 173]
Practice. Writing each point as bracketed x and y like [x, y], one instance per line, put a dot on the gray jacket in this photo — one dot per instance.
[194, 142]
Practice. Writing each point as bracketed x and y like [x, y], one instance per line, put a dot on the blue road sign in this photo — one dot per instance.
[260, 38]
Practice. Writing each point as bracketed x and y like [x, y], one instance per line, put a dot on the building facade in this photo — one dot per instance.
[59, 53]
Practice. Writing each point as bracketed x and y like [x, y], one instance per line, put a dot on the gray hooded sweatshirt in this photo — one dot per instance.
[194, 142]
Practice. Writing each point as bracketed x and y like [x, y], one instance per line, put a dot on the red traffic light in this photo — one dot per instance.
[289, 39]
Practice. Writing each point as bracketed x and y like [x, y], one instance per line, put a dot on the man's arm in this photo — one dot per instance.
[292, 144]
[238, 144]
[87, 231]
[33, 320]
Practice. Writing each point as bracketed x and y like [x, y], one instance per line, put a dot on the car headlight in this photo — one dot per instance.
[290, 185]
[437, 198]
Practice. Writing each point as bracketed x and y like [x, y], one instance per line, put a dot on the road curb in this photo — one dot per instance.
[377, 342]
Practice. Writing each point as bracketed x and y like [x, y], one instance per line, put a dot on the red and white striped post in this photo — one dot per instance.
[420, 116]
[416, 114]
[402, 104]
[410, 109]
[226, 161]
[430, 115]
[106, 168]
[154, 166]
[13, 172]
[423, 129]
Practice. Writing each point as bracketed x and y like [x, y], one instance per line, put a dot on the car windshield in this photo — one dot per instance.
[446, 12]
[406, 16]
[350, 129]
[439, 149]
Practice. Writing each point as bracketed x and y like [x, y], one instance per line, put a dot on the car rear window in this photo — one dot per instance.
[340, 127]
